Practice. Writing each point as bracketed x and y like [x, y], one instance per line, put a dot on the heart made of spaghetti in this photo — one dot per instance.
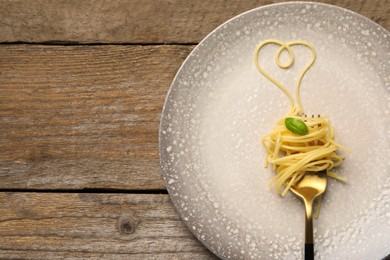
[286, 46]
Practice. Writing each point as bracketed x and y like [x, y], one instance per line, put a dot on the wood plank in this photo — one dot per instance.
[74, 117]
[109, 226]
[144, 21]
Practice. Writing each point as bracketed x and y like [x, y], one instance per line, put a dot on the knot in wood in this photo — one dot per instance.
[127, 223]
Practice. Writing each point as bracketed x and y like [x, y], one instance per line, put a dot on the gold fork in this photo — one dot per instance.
[308, 189]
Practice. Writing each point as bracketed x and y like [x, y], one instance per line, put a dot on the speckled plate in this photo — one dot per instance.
[219, 106]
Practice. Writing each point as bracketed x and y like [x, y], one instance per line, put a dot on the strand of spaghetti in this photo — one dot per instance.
[336, 176]
[339, 145]
[286, 46]
[298, 84]
[300, 156]
[318, 154]
[288, 64]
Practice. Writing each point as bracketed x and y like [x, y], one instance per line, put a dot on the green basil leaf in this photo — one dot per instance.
[296, 126]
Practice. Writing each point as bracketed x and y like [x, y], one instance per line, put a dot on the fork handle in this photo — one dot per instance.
[309, 251]
[309, 241]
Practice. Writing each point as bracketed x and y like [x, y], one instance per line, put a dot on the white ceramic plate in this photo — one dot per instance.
[219, 106]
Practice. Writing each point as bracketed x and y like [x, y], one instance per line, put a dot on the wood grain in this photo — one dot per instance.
[74, 117]
[82, 225]
[144, 21]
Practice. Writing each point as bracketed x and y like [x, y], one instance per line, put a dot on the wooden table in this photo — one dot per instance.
[82, 85]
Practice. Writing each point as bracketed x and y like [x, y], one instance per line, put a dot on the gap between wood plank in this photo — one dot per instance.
[72, 43]
[89, 190]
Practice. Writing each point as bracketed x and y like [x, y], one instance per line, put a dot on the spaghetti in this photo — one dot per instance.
[290, 151]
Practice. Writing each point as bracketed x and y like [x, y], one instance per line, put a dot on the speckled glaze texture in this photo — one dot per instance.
[219, 106]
